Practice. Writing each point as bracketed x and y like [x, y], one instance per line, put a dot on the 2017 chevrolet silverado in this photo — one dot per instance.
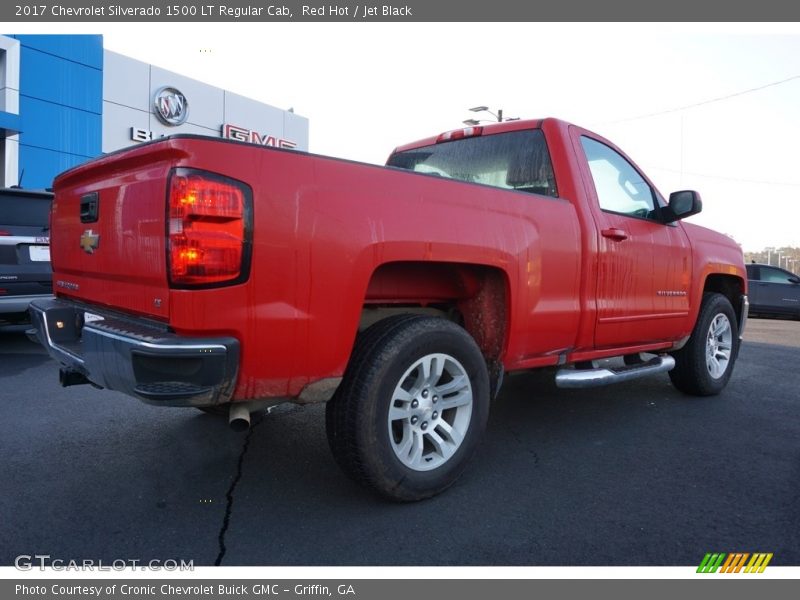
[200, 272]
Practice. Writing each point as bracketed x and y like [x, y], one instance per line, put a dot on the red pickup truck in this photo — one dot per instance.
[200, 272]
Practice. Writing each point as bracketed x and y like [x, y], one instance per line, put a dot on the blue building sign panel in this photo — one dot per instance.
[60, 104]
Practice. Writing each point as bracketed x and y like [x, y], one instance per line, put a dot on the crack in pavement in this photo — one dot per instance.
[229, 495]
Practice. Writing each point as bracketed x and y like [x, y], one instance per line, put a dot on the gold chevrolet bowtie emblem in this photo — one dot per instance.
[90, 241]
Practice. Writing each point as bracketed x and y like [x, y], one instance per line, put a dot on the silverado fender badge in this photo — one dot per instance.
[68, 285]
[90, 241]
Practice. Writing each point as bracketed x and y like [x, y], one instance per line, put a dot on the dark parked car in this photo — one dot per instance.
[774, 292]
[25, 271]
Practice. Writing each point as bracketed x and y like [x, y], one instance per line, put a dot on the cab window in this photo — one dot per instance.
[772, 275]
[515, 160]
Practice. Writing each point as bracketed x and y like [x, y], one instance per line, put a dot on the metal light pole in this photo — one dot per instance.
[479, 109]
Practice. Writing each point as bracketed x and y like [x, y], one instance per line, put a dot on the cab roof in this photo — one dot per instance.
[489, 129]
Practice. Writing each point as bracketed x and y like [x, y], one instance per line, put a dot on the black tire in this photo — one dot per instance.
[335, 419]
[695, 373]
[363, 439]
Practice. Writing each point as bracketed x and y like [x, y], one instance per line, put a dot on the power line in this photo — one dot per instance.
[704, 102]
[737, 179]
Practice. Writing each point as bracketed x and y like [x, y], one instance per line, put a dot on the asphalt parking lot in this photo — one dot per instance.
[633, 474]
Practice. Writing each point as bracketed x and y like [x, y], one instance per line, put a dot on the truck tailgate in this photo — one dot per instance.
[108, 242]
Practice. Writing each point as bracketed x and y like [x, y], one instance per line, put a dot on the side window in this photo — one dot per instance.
[774, 275]
[620, 188]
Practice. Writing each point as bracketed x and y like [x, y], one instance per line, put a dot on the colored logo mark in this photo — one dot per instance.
[735, 562]
[171, 106]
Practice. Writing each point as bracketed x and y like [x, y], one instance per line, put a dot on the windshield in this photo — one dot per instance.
[516, 160]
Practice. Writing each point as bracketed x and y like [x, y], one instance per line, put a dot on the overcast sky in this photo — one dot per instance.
[368, 87]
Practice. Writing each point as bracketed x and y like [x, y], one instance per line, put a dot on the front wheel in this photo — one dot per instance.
[411, 408]
[705, 364]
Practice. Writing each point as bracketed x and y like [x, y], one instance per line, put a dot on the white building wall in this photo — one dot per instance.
[9, 102]
[126, 90]
[130, 85]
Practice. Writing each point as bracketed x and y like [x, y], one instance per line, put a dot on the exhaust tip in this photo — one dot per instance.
[239, 417]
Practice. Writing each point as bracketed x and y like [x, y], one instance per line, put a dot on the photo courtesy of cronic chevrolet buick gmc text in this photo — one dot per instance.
[220, 275]
[25, 273]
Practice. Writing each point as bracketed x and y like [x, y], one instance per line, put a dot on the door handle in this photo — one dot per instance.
[614, 234]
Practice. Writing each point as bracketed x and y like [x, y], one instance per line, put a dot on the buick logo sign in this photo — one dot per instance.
[170, 106]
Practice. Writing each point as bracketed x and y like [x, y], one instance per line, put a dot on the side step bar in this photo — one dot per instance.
[585, 378]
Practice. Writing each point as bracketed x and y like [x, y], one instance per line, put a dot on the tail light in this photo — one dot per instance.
[209, 229]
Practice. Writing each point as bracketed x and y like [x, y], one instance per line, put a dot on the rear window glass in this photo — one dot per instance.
[24, 210]
[517, 160]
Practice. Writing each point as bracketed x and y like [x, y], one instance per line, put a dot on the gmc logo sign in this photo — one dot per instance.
[242, 134]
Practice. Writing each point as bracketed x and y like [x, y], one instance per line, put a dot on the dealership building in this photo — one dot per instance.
[65, 99]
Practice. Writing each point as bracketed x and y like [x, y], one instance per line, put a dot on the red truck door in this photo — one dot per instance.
[644, 264]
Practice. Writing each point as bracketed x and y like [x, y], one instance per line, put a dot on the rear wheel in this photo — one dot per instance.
[411, 408]
[705, 364]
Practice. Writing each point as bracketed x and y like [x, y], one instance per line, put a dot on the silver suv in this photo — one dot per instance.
[25, 272]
